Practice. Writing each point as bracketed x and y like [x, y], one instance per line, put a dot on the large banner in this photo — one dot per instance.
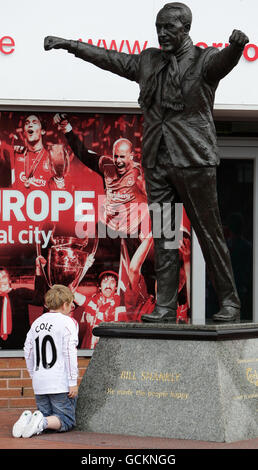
[125, 26]
[74, 211]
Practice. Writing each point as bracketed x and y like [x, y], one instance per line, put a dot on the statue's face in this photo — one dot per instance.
[171, 31]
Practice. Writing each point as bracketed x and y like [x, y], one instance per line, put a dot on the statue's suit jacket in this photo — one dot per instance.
[190, 134]
[190, 139]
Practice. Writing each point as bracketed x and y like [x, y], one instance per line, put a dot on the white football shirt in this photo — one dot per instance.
[50, 351]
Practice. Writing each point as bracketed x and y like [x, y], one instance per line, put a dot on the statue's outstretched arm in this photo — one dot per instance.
[125, 65]
[225, 60]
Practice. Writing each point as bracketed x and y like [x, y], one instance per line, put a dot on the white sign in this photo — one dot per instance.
[30, 73]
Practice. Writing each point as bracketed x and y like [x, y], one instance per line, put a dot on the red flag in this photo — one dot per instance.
[185, 223]
[123, 275]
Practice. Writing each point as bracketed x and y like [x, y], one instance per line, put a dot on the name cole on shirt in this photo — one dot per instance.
[43, 326]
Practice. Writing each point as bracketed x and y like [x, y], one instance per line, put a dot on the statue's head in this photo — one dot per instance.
[173, 24]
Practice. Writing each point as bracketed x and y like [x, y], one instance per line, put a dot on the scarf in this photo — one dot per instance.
[172, 97]
[6, 318]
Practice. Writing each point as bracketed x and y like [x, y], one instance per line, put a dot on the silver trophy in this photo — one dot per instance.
[68, 259]
[59, 165]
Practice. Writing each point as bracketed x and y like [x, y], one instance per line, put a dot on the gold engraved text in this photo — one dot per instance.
[252, 376]
[244, 361]
[160, 376]
[128, 375]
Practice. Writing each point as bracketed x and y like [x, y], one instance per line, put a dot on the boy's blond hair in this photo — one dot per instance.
[57, 296]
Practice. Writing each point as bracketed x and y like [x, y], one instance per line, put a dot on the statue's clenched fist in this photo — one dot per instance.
[53, 42]
[238, 38]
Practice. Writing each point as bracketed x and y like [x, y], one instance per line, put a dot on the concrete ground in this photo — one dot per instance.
[82, 440]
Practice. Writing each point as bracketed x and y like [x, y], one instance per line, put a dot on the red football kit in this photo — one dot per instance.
[30, 170]
[125, 203]
[124, 206]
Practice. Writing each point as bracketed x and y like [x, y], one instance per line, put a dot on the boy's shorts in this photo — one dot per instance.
[59, 405]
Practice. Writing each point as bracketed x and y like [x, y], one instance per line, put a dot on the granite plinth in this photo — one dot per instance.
[207, 332]
[182, 381]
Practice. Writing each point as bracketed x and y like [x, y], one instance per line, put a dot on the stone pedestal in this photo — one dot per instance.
[176, 381]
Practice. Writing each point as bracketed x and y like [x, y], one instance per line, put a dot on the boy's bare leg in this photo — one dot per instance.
[53, 422]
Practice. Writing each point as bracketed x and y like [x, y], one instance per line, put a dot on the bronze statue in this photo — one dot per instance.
[180, 154]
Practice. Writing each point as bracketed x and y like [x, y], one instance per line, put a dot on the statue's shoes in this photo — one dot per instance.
[160, 315]
[227, 314]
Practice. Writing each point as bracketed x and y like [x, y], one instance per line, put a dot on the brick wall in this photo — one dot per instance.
[15, 383]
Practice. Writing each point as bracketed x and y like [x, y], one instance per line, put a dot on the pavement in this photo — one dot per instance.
[74, 439]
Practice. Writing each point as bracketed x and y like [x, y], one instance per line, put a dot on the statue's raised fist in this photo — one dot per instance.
[239, 38]
[53, 42]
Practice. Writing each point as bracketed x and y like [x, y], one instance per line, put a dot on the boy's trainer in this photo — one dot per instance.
[22, 422]
[35, 425]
